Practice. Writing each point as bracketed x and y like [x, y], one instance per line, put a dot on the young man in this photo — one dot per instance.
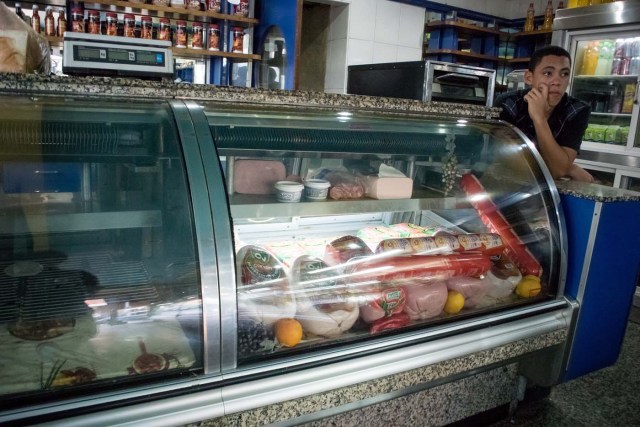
[551, 118]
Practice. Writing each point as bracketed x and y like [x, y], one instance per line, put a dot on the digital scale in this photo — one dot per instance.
[100, 55]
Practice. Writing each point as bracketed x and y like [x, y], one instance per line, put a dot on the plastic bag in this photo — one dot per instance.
[22, 50]
[344, 185]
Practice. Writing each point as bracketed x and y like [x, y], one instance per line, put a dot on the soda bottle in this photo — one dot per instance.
[548, 16]
[49, 22]
[528, 23]
[35, 19]
[560, 5]
[590, 59]
[62, 23]
[605, 59]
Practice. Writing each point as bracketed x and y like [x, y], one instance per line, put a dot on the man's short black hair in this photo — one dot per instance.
[537, 56]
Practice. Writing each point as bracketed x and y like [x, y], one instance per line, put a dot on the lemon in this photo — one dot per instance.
[455, 302]
[528, 287]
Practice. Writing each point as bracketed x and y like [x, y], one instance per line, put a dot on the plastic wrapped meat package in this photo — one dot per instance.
[22, 50]
[324, 307]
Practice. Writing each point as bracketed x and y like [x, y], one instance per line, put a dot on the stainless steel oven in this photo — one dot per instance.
[425, 81]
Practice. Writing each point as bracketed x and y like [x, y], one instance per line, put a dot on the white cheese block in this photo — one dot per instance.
[387, 187]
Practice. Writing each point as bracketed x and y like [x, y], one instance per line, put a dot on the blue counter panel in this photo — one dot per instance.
[606, 293]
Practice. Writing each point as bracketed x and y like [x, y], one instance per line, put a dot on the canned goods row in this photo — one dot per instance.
[239, 9]
[626, 66]
[197, 36]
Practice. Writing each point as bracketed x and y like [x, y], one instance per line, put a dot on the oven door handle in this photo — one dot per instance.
[458, 78]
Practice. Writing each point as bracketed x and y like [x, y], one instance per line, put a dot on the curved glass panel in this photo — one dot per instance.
[98, 275]
[352, 226]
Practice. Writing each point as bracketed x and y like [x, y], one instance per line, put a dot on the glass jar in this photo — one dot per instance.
[129, 25]
[164, 30]
[146, 31]
[77, 20]
[181, 34]
[197, 35]
[214, 37]
[242, 8]
[94, 22]
[112, 24]
[213, 6]
[237, 35]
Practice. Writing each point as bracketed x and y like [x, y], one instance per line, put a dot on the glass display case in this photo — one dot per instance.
[150, 246]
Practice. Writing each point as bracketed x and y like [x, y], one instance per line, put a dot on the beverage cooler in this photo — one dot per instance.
[181, 255]
[604, 43]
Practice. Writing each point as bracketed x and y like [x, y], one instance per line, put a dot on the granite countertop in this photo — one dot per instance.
[138, 88]
[596, 192]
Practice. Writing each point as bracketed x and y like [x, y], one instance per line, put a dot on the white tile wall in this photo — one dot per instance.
[364, 13]
[377, 31]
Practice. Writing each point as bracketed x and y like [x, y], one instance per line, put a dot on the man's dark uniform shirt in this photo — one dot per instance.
[568, 121]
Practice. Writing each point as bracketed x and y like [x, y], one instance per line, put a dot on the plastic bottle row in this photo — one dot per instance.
[611, 57]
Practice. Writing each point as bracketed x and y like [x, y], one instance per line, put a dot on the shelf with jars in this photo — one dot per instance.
[195, 33]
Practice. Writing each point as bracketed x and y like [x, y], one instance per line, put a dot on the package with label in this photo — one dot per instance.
[388, 183]
[22, 50]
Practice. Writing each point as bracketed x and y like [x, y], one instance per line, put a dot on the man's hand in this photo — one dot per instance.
[538, 104]
[578, 174]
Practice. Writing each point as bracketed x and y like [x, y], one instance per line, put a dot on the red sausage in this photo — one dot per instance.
[495, 221]
[421, 266]
[396, 321]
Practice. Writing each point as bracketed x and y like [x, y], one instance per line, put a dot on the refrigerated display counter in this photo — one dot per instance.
[249, 256]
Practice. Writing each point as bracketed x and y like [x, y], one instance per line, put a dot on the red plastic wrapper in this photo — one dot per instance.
[433, 267]
[345, 248]
[394, 322]
[495, 221]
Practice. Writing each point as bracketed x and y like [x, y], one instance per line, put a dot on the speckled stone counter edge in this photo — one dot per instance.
[596, 192]
[135, 88]
[343, 396]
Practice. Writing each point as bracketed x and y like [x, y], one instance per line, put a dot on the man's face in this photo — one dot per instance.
[553, 72]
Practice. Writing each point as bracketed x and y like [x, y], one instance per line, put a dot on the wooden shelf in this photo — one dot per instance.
[468, 28]
[199, 53]
[518, 60]
[462, 54]
[176, 11]
[538, 33]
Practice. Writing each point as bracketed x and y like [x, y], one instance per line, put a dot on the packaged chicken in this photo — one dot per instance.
[425, 300]
[324, 307]
[264, 294]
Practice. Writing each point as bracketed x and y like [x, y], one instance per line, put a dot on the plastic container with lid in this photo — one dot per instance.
[316, 189]
[94, 22]
[111, 24]
[164, 29]
[242, 8]
[77, 20]
[213, 5]
[181, 34]
[146, 30]
[197, 35]
[288, 191]
[129, 25]
[237, 35]
[214, 37]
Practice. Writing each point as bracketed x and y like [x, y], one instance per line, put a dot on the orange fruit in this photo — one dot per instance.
[528, 287]
[288, 332]
[455, 302]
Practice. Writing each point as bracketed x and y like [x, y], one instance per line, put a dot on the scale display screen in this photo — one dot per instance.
[117, 55]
